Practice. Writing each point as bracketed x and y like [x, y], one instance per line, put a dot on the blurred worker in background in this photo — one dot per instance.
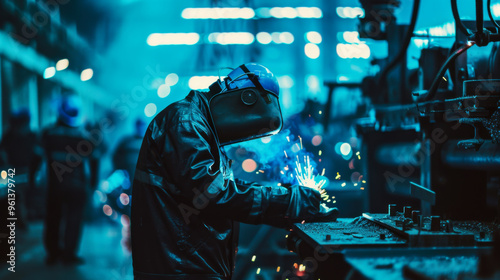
[18, 146]
[67, 151]
[186, 202]
[127, 151]
[125, 159]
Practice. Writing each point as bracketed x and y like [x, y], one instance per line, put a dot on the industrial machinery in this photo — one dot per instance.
[433, 200]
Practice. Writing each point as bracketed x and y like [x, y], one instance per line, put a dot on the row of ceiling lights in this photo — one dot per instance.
[229, 38]
[250, 13]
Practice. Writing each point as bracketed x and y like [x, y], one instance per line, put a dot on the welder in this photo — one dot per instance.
[186, 204]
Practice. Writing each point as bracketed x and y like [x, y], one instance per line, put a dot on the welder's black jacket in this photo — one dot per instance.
[185, 200]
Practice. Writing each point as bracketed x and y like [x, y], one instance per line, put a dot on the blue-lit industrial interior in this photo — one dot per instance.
[392, 107]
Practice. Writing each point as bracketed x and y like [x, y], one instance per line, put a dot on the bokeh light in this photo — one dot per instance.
[150, 110]
[49, 72]
[249, 165]
[124, 199]
[108, 211]
[312, 50]
[314, 37]
[264, 38]
[87, 74]
[62, 64]
[171, 79]
[345, 149]
[316, 140]
[266, 140]
[163, 91]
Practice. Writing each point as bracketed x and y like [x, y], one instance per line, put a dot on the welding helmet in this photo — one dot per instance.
[245, 105]
[70, 110]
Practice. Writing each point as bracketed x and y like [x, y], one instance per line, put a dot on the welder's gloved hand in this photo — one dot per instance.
[305, 204]
[325, 215]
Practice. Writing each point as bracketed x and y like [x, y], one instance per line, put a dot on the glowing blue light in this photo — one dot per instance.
[276, 37]
[171, 79]
[312, 82]
[263, 12]
[150, 110]
[345, 149]
[337, 147]
[266, 140]
[163, 91]
[285, 81]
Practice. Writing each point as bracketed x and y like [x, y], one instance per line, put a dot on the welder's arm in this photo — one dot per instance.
[297, 203]
[204, 187]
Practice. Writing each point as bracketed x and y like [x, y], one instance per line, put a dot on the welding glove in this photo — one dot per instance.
[291, 204]
[305, 204]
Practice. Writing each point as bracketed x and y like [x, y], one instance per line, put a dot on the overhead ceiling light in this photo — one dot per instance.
[157, 39]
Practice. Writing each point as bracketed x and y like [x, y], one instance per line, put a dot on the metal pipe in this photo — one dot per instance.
[458, 21]
[487, 157]
[479, 16]
[434, 86]
[406, 43]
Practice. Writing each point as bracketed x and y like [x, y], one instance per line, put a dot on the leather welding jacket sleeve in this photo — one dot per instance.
[208, 186]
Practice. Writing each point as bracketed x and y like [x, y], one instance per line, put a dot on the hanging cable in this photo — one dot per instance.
[458, 22]
[491, 16]
[406, 43]
[434, 86]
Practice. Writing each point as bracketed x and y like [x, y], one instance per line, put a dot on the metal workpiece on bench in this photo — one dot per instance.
[345, 233]
[372, 246]
[417, 263]
[429, 235]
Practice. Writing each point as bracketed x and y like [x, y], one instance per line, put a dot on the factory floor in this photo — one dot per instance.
[101, 248]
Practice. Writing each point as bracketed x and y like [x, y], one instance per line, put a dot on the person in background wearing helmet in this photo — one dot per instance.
[67, 151]
[19, 144]
[186, 202]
